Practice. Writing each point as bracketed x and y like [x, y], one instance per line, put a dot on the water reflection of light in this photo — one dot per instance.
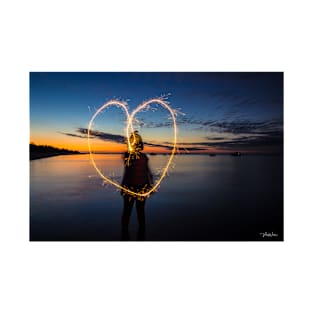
[204, 193]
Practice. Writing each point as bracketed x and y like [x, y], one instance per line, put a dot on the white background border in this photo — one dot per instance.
[155, 36]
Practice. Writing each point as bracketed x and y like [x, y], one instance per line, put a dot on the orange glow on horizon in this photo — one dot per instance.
[99, 146]
[79, 144]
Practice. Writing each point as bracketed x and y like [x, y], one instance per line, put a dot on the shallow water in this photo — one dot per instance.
[203, 198]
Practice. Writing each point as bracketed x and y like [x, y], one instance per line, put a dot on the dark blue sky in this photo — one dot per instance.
[221, 111]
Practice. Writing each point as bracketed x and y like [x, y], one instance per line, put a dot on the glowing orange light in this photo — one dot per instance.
[129, 126]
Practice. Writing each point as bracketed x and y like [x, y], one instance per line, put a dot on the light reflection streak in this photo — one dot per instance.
[129, 127]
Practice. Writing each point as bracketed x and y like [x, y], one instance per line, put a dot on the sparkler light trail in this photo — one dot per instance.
[129, 126]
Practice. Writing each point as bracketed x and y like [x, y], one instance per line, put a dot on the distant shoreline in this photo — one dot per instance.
[40, 151]
[44, 151]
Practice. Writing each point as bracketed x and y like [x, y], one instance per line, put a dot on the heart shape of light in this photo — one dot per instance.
[130, 118]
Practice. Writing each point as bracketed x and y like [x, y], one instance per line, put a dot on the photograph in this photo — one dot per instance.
[156, 156]
[156, 149]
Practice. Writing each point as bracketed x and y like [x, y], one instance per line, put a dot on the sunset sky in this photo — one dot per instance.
[218, 112]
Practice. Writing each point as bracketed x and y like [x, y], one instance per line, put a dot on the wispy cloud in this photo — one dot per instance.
[269, 140]
[112, 137]
[246, 126]
[239, 134]
[102, 135]
[73, 135]
[235, 127]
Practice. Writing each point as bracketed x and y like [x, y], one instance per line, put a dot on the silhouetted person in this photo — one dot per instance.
[137, 178]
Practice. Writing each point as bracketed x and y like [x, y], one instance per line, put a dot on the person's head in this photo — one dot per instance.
[136, 143]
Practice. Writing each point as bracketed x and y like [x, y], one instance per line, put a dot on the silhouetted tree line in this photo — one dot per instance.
[41, 151]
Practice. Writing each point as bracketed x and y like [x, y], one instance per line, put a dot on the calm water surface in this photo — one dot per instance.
[203, 198]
